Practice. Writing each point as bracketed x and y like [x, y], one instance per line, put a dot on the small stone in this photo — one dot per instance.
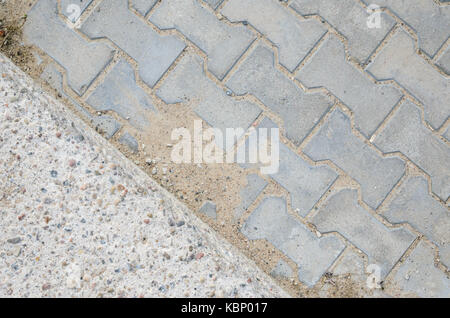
[54, 173]
[58, 134]
[15, 240]
[72, 163]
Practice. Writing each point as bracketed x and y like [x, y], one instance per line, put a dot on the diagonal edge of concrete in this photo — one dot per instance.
[181, 256]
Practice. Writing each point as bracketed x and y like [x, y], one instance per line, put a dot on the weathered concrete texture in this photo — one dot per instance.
[153, 52]
[418, 276]
[282, 270]
[406, 133]
[342, 213]
[143, 6]
[430, 20]
[350, 19]
[188, 82]
[255, 185]
[413, 204]
[104, 124]
[313, 255]
[209, 209]
[335, 141]
[223, 43]
[444, 61]
[294, 37]
[398, 60]
[258, 76]
[69, 8]
[213, 3]
[82, 60]
[370, 102]
[80, 220]
[120, 93]
[129, 141]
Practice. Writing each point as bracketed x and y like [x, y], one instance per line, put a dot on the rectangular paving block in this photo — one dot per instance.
[383, 246]
[258, 76]
[188, 82]
[444, 61]
[413, 204]
[129, 141]
[153, 52]
[255, 185]
[427, 18]
[305, 183]
[398, 60]
[329, 68]
[313, 255]
[120, 93]
[294, 37]
[82, 60]
[143, 6]
[350, 19]
[420, 277]
[336, 142]
[73, 9]
[222, 43]
[406, 133]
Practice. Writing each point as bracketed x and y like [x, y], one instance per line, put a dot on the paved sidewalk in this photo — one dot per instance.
[361, 98]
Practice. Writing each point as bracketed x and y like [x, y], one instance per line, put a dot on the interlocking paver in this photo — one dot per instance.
[413, 204]
[398, 60]
[82, 60]
[188, 82]
[444, 61]
[209, 209]
[258, 76]
[69, 10]
[120, 93]
[282, 269]
[154, 53]
[255, 185]
[419, 276]
[336, 142]
[430, 20]
[104, 124]
[350, 19]
[129, 141]
[305, 183]
[294, 37]
[313, 255]
[370, 102]
[382, 245]
[143, 6]
[406, 133]
[223, 43]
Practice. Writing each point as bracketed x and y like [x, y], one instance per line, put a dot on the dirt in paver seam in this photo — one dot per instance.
[193, 184]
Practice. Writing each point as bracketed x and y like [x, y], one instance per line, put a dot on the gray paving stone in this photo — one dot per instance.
[444, 61]
[129, 141]
[398, 60]
[383, 246]
[430, 20]
[209, 209]
[67, 8]
[306, 184]
[447, 133]
[313, 255]
[154, 53]
[370, 102]
[294, 37]
[350, 19]
[418, 275]
[213, 3]
[106, 125]
[258, 76]
[282, 270]
[255, 185]
[188, 82]
[143, 6]
[120, 93]
[413, 204]
[336, 142]
[406, 133]
[222, 43]
[82, 60]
